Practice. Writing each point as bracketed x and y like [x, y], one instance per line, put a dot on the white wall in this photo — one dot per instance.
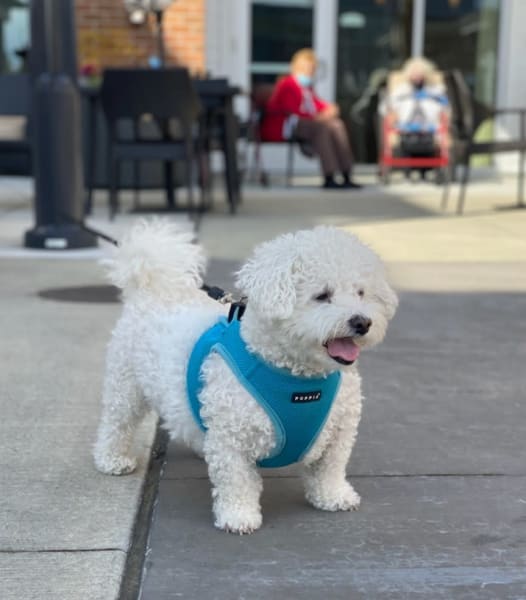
[325, 41]
[511, 74]
[228, 43]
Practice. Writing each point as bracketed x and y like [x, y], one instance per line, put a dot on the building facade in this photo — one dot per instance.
[252, 40]
[107, 38]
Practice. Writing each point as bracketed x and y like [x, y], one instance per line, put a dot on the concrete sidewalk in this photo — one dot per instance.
[65, 530]
[440, 455]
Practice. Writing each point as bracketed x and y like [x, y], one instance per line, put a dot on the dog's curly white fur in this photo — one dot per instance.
[302, 289]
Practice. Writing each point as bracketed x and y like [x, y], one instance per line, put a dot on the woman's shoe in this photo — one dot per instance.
[332, 185]
[351, 185]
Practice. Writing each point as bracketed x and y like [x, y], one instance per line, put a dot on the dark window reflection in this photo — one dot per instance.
[14, 35]
[463, 34]
[374, 36]
[279, 28]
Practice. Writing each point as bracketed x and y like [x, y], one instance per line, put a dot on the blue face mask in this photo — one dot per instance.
[304, 80]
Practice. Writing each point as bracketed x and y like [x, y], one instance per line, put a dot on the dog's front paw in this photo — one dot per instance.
[115, 465]
[341, 498]
[238, 520]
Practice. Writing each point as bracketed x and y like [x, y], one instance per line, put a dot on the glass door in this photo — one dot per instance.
[374, 36]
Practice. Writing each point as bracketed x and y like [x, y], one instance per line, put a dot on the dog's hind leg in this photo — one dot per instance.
[122, 409]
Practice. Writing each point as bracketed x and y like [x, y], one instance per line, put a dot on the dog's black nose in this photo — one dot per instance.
[360, 324]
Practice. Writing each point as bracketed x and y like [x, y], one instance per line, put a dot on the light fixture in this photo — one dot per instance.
[138, 10]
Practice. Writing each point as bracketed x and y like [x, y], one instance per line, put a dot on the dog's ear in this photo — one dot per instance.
[388, 298]
[266, 279]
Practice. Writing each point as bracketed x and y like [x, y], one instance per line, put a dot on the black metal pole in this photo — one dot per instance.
[57, 143]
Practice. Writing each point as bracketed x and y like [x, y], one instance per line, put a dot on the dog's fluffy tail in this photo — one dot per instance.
[157, 260]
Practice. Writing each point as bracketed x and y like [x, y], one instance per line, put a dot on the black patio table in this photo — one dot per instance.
[217, 99]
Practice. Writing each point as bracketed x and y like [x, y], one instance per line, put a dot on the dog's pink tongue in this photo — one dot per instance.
[343, 348]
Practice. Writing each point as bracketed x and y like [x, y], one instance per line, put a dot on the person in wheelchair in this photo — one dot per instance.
[416, 107]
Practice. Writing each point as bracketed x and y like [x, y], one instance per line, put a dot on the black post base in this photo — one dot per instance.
[59, 237]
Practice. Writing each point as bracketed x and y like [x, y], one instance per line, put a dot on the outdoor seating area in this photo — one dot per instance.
[203, 109]
[468, 116]
[216, 127]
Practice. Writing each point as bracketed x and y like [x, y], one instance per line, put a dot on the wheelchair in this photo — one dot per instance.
[412, 148]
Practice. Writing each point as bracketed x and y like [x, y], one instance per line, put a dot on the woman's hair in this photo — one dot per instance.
[421, 64]
[304, 54]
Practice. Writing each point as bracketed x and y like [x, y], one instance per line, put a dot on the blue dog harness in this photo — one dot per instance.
[297, 406]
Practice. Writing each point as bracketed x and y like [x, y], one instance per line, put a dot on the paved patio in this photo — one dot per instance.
[440, 456]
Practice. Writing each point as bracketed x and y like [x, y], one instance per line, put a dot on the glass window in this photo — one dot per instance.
[374, 36]
[463, 34]
[279, 28]
[14, 35]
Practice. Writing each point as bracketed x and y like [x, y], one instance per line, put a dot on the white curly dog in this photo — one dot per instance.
[315, 298]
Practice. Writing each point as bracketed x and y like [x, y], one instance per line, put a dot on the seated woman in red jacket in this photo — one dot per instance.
[294, 110]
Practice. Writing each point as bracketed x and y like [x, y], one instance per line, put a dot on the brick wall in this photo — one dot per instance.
[106, 38]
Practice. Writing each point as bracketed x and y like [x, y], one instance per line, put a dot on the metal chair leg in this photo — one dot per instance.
[445, 190]
[205, 180]
[463, 186]
[260, 175]
[113, 186]
[136, 184]
[384, 174]
[290, 164]
[189, 175]
[520, 202]
[254, 171]
[169, 184]
[520, 198]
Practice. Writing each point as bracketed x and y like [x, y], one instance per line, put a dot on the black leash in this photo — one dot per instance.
[237, 307]
[99, 234]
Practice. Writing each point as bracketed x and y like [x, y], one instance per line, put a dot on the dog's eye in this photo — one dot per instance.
[324, 296]
[361, 292]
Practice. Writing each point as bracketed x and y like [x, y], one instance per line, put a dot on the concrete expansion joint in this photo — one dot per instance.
[63, 551]
[370, 476]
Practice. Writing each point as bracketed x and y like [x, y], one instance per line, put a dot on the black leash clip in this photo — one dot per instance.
[237, 309]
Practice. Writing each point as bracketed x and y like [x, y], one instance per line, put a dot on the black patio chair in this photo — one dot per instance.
[167, 99]
[467, 115]
[15, 143]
